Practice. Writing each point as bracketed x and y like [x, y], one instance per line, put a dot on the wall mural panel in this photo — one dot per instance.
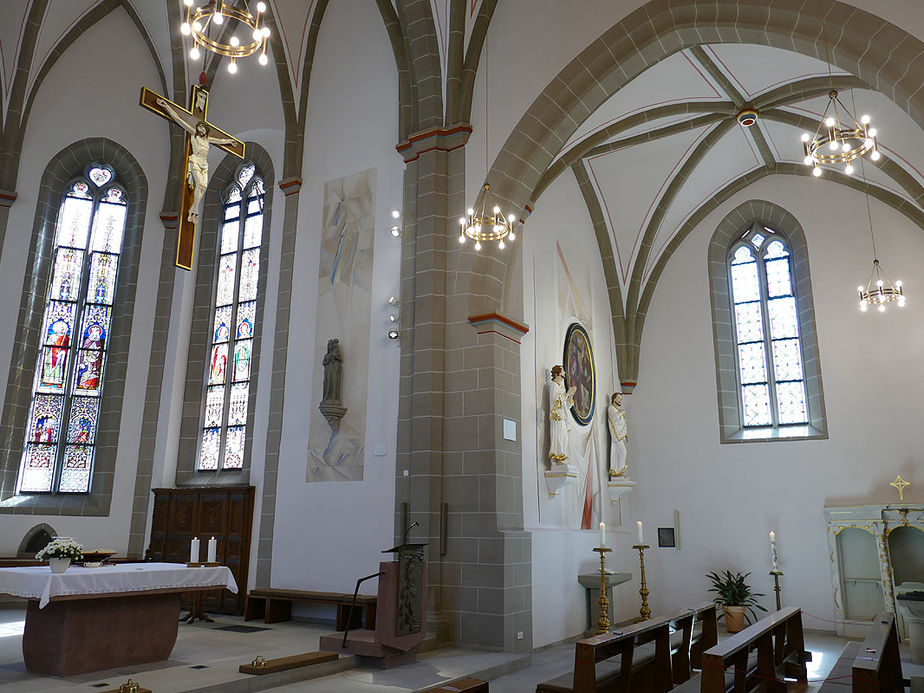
[344, 313]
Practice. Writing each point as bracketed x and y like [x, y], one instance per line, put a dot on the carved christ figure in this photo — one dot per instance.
[197, 170]
[619, 433]
[560, 401]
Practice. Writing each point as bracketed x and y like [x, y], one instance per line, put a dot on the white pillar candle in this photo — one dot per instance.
[194, 550]
[774, 556]
[640, 540]
[213, 550]
[602, 534]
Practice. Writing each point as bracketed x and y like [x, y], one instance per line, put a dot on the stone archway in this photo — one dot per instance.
[35, 540]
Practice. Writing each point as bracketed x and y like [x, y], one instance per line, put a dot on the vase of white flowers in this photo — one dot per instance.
[59, 553]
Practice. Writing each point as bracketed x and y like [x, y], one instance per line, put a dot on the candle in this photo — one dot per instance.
[194, 550]
[774, 556]
[213, 550]
[602, 534]
[640, 540]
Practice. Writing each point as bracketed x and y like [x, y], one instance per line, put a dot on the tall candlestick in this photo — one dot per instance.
[774, 556]
[602, 534]
[194, 550]
[213, 550]
[640, 540]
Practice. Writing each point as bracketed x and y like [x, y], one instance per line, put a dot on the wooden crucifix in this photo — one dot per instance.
[199, 135]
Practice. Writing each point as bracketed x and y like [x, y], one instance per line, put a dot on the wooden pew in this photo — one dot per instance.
[780, 648]
[878, 667]
[636, 658]
[705, 635]
[274, 605]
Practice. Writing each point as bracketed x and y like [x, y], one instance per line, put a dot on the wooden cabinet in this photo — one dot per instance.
[872, 548]
[223, 512]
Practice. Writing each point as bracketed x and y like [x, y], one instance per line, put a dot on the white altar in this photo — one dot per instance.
[872, 548]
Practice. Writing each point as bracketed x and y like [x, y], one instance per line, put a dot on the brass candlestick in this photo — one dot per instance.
[603, 623]
[644, 611]
[776, 587]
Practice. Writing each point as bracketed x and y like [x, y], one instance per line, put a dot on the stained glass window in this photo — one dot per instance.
[60, 440]
[768, 344]
[230, 355]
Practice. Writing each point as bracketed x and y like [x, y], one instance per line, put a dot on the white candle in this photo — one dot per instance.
[194, 550]
[602, 534]
[640, 540]
[213, 550]
[774, 556]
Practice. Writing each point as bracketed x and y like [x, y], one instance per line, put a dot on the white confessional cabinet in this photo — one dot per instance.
[872, 549]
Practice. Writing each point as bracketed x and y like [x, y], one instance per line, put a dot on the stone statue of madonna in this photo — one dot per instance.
[560, 401]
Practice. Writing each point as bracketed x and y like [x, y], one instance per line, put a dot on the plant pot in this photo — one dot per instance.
[58, 565]
[734, 618]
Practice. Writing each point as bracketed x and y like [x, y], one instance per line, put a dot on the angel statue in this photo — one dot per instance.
[197, 168]
[559, 403]
[619, 433]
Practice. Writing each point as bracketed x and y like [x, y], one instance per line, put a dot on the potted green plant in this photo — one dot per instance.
[59, 553]
[734, 595]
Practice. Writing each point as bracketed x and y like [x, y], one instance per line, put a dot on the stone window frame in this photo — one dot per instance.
[727, 234]
[224, 176]
[62, 169]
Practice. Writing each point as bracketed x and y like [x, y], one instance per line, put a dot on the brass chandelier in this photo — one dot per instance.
[839, 138]
[198, 21]
[484, 225]
[879, 289]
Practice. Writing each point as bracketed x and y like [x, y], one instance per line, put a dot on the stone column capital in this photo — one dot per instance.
[7, 198]
[499, 324]
[443, 139]
[290, 186]
[170, 220]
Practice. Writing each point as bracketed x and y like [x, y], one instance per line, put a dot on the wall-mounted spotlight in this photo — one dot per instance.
[396, 214]
[393, 301]
[393, 317]
[392, 334]
[395, 230]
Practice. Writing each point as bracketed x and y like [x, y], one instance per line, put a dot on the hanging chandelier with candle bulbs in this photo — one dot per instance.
[251, 36]
[839, 138]
[880, 290]
[486, 223]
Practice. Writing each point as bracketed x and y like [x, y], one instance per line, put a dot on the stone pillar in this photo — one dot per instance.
[456, 475]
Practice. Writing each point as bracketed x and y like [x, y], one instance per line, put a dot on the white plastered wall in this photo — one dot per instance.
[329, 534]
[89, 95]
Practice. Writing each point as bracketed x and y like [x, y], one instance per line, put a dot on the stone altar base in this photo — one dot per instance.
[76, 636]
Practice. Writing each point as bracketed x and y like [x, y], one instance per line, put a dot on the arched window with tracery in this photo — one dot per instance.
[767, 340]
[231, 339]
[63, 421]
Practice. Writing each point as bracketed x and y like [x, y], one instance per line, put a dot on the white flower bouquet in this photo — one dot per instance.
[61, 547]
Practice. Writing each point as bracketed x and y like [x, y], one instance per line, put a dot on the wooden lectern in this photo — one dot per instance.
[400, 612]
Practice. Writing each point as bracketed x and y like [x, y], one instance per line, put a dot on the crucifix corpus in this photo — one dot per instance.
[199, 135]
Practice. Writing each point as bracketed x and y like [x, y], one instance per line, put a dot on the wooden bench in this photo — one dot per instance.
[275, 605]
[705, 635]
[871, 666]
[646, 656]
[780, 652]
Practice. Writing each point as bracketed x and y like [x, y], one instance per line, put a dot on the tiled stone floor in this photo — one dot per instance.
[222, 651]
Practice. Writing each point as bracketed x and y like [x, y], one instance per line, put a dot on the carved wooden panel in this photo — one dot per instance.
[223, 512]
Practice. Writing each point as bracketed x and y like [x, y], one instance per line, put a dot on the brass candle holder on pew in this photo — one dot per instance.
[644, 611]
[603, 623]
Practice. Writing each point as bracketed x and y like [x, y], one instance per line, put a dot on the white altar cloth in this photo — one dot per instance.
[38, 582]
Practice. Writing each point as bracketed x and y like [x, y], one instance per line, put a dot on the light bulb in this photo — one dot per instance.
[846, 147]
[898, 283]
[235, 41]
[848, 169]
[266, 32]
[261, 7]
[470, 212]
[816, 172]
[232, 67]
[512, 236]
[496, 209]
[805, 137]
[196, 26]
[497, 229]
[901, 301]
[879, 283]
[862, 306]
[395, 231]
[868, 142]
[184, 29]
[478, 245]
[395, 214]
[512, 218]
[218, 18]
[829, 122]
[462, 221]
[461, 238]
[872, 132]
[807, 160]
[832, 145]
[501, 245]
[864, 119]
[860, 289]
[882, 309]
[257, 35]
[875, 155]
[194, 53]
[263, 59]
